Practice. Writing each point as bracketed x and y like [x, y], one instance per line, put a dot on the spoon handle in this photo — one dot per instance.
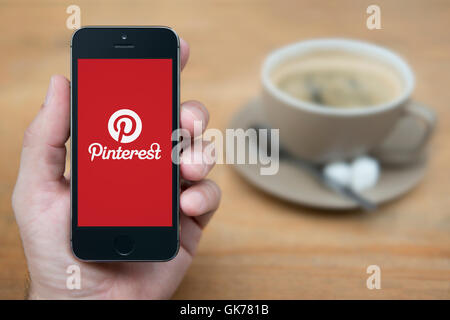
[345, 191]
[317, 173]
[364, 203]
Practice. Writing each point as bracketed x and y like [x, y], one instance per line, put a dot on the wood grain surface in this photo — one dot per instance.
[256, 246]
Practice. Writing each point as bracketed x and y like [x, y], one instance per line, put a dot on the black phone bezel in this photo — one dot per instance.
[150, 243]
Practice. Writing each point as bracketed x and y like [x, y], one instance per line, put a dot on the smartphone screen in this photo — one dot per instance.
[124, 142]
[125, 110]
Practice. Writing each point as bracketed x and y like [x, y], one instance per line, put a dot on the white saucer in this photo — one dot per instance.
[295, 185]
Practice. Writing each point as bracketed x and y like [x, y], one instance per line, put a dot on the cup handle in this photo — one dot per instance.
[421, 114]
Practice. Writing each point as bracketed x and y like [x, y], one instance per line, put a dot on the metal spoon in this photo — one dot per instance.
[316, 171]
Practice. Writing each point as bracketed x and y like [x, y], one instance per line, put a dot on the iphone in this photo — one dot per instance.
[124, 109]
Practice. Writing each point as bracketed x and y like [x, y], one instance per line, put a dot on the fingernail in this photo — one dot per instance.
[197, 115]
[50, 92]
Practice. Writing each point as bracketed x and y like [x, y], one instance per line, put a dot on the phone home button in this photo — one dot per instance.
[124, 245]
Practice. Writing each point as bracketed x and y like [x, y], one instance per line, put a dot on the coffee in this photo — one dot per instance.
[338, 79]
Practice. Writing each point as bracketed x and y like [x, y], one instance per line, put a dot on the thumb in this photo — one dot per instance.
[44, 153]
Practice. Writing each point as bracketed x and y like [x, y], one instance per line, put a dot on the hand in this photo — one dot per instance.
[41, 202]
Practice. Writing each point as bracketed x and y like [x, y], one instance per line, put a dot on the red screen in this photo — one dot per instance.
[124, 142]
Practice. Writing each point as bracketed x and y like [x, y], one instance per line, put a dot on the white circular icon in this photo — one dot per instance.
[124, 126]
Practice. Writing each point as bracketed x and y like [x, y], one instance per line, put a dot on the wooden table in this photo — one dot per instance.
[257, 246]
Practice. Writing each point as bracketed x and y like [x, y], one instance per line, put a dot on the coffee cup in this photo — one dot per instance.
[336, 99]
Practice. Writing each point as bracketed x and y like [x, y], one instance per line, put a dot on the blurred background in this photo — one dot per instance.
[257, 247]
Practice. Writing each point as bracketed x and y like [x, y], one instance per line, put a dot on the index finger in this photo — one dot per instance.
[184, 52]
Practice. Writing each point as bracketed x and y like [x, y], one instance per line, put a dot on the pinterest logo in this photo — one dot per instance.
[124, 126]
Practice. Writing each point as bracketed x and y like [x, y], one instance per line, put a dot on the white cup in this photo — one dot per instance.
[323, 134]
